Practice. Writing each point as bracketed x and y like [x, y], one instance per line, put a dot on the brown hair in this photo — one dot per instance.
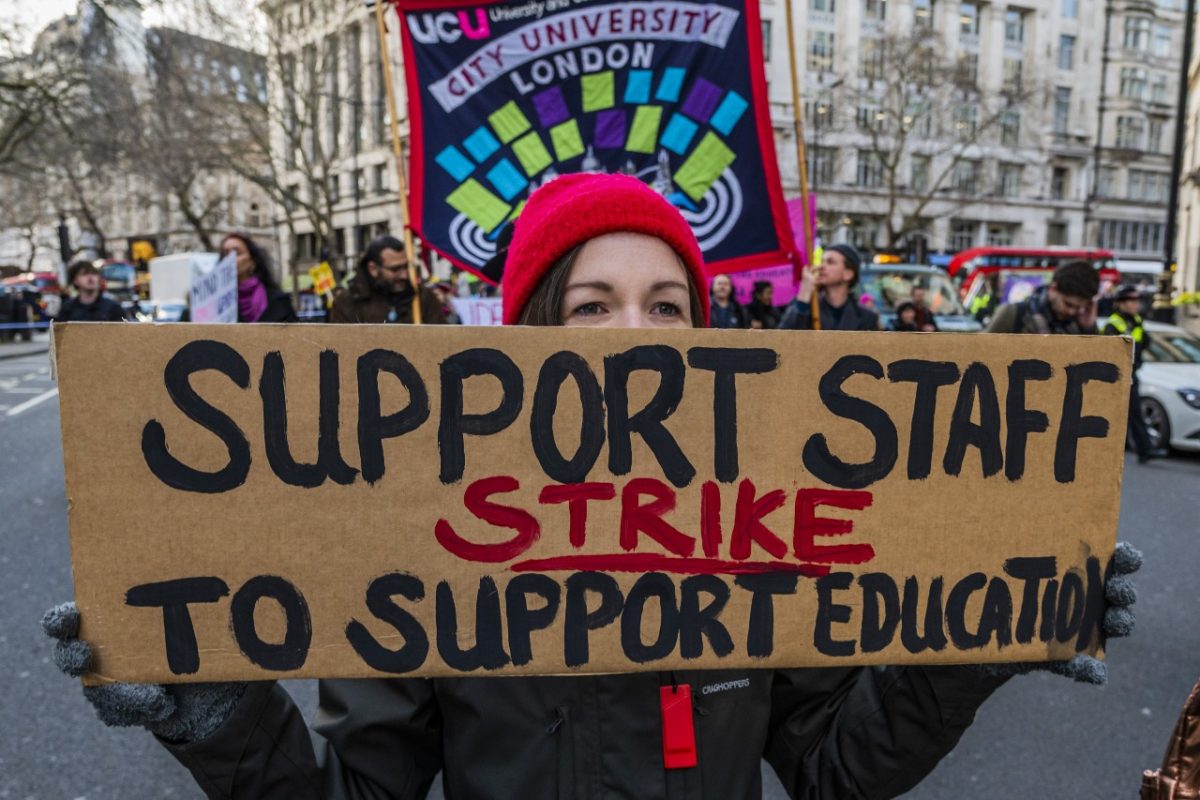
[544, 307]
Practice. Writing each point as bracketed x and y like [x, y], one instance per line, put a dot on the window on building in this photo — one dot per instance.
[1133, 83]
[1066, 53]
[870, 169]
[379, 178]
[822, 6]
[766, 40]
[1147, 186]
[863, 232]
[818, 114]
[1060, 183]
[1014, 27]
[920, 173]
[291, 197]
[820, 165]
[870, 118]
[1162, 40]
[1001, 235]
[1131, 132]
[1010, 128]
[968, 20]
[874, 10]
[965, 178]
[966, 121]
[1158, 89]
[1008, 180]
[1056, 234]
[962, 234]
[1012, 75]
[1069, 9]
[923, 13]
[1137, 34]
[1106, 186]
[1062, 109]
[333, 96]
[871, 59]
[820, 51]
[967, 73]
[1128, 236]
[1154, 141]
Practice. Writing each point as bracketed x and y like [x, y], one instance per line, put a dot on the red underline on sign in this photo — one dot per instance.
[651, 562]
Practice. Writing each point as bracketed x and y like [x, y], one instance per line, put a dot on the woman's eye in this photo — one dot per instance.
[588, 309]
[666, 309]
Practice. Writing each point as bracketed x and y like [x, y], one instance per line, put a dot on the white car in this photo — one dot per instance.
[1170, 387]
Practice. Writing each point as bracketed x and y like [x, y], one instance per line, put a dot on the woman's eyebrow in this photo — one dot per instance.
[601, 285]
[658, 287]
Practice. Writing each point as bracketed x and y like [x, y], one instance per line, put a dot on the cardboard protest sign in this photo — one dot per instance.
[214, 288]
[368, 500]
[504, 96]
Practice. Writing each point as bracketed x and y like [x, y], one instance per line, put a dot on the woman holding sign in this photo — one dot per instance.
[588, 251]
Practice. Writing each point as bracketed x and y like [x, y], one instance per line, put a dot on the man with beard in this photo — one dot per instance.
[380, 290]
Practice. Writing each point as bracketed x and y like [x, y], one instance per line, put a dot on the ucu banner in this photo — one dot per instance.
[506, 96]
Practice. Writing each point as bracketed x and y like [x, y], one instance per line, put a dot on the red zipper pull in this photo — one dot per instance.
[678, 728]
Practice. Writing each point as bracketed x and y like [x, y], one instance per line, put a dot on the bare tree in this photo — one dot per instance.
[922, 124]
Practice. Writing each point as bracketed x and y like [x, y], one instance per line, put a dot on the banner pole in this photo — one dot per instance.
[802, 163]
[398, 152]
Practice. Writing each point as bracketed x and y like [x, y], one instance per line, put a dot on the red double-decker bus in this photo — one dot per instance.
[1015, 272]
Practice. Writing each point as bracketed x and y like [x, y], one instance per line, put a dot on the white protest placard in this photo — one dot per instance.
[214, 288]
[478, 310]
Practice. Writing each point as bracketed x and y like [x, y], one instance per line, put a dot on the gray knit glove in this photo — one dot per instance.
[1118, 621]
[186, 712]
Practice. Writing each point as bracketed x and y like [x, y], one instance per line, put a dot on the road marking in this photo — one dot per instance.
[30, 403]
[23, 390]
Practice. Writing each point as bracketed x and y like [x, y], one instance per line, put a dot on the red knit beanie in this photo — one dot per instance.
[573, 209]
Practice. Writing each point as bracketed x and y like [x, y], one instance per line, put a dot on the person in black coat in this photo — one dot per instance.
[89, 304]
[259, 297]
[762, 311]
[726, 311]
[840, 311]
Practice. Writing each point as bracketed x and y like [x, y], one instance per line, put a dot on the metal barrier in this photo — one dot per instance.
[23, 326]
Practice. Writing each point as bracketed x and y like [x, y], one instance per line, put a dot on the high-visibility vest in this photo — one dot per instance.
[1122, 327]
[980, 303]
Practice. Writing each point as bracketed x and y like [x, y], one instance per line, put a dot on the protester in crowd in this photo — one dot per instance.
[259, 297]
[762, 312]
[727, 312]
[906, 318]
[925, 320]
[987, 301]
[380, 290]
[89, 304]
[834, 732]
[1066, 305]
[836, 276]
[1126, 321]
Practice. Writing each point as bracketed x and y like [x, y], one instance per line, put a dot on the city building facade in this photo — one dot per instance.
[158, 193]
[1052, 126]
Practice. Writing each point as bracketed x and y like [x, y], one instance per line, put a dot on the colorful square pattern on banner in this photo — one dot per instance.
[505, 96]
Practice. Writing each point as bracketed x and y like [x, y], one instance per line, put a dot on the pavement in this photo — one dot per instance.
[19, 349]
[1040, 736]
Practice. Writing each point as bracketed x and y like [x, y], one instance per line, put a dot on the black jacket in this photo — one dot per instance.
[798, 316]
[279, 308]
[765, 314]
[870, 732]
[729, 316]
[105, 309]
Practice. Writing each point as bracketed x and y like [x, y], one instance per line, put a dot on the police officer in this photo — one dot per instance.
[1126, 321]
